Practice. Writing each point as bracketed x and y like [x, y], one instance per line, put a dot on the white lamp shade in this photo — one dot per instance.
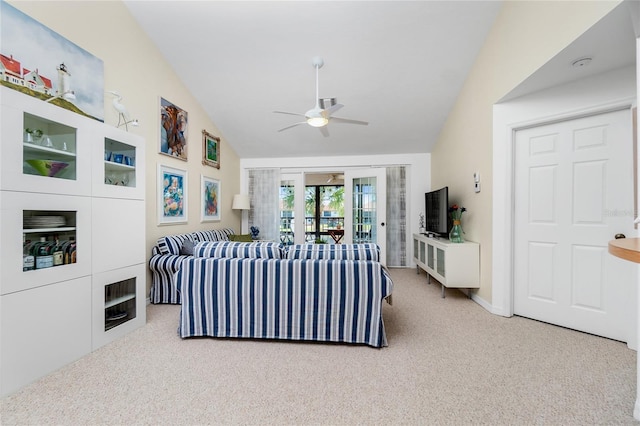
[241, 202]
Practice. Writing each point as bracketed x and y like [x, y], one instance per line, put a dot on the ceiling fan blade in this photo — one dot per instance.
[349, 121]
[293, 125]
[332, 109]
[289, 113]
[324, 130]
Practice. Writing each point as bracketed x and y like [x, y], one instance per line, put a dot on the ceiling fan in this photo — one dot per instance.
[320, 117]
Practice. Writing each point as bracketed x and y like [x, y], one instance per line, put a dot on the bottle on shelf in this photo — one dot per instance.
[58, 254]
[44, 258]
[70, 251]
[28, 260]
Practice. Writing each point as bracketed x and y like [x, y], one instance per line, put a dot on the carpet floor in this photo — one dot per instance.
[449, 361]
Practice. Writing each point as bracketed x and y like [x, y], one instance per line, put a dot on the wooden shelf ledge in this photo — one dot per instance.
[626, 248]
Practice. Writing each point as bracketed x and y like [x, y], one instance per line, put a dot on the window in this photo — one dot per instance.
[324, 210]
[287, 203]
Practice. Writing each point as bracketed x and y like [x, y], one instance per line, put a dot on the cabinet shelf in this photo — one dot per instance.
[117, 167]
[48, 230]
[52, 152]
[119, 300]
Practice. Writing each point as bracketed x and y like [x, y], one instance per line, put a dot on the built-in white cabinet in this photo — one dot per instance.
[72, 245]
[454, 265]
[43, 329]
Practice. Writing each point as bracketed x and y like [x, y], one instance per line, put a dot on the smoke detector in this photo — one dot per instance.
[581, 62]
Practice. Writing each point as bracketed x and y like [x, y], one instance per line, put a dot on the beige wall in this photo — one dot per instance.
[526, 34]
[135, 68]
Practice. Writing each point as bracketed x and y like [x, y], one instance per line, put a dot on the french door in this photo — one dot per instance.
[365, 207]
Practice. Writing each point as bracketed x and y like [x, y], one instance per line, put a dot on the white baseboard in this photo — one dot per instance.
[488, 306]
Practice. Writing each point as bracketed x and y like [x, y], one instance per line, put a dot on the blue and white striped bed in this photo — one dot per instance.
[295, 299]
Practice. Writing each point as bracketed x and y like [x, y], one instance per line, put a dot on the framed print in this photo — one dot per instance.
[172, 195]
[210, 205]
[210, 150]
[173, 130]
[41, 63]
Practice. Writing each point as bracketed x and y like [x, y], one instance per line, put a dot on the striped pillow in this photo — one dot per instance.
[171, 244]
[231, 249]
[213, 235]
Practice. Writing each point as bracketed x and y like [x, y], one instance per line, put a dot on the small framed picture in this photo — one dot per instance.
[172, 195]
[174, 125]
[210, 205]
[210, 150]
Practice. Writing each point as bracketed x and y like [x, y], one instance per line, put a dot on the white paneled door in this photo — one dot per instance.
[574, 193]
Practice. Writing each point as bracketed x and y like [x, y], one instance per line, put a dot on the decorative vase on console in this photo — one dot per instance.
[455, 235]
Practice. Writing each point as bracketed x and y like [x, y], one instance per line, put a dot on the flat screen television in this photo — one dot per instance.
[436, 212]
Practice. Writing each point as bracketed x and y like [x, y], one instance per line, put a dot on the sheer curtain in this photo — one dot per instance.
[396, 216]
[264, 187]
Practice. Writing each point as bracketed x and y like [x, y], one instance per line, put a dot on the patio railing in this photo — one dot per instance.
[312, 230]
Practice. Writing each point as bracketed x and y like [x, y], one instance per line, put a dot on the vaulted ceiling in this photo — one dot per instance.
[397, 64]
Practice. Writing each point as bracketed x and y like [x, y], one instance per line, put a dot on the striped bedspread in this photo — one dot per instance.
[296, 299]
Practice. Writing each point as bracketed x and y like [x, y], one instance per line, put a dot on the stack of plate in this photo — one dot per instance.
[44, 221]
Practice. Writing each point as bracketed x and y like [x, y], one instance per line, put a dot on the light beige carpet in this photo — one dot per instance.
[448, 362]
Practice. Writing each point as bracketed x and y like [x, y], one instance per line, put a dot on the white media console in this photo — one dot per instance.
[454, 265]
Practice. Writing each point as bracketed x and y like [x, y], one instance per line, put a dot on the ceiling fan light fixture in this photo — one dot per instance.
[317, 121]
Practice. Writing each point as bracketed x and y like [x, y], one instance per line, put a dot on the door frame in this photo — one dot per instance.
[504, 200]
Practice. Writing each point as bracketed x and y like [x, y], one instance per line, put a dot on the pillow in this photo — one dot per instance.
[171, 244]
[212, 235]
[236, 249]
[243, 238]
[362, 251]
[187, 248]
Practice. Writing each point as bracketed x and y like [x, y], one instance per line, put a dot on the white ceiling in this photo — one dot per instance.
[397, 64]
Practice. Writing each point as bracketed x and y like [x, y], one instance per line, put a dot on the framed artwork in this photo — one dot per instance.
[210, 205]
[41, 63]
[172, 195]
[210, 150]
[174, 126]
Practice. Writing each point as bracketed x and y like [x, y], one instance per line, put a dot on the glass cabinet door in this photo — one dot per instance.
[430, 256]
[48, 148]
[119, 163]
[440, 262]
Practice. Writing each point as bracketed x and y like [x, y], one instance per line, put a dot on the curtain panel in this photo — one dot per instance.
[264, 187]
[396, 216]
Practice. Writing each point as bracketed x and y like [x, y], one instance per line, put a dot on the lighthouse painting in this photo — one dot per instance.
[41, 63]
